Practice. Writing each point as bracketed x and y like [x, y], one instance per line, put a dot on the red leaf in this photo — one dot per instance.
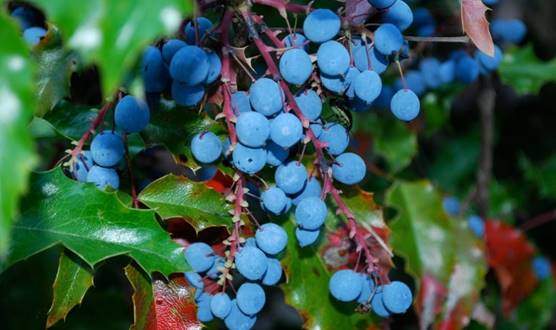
[475, 25]
[220, 182]
[173, 306]
[510, 255]
[429, 301]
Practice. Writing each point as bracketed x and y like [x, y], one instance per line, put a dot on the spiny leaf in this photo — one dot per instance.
[162, 305]
[522, 70]
[113, 33]
[475, 24]
[173, 196]
[93, 224]
[17, 157]
[73, 279]
[53, 80]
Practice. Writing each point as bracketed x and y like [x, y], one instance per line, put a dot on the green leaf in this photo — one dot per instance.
[143, 298]
[391, 138]
[93, 224]
[173, 196]
[18, 100]
[73, 279]
[70, 120]
[113, 33]
[522, 70]
[307, 287]
[536, 312]
[421, 231]
[55, 67]
[543, 175]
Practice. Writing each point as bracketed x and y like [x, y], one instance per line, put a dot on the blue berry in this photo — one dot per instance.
[249, 160]
[273, 272]
[399, 14]
[251, 241]
[310, 104]
[345, 285]
[414, 81]
[321, 25]
[214, 271]
[204, 313]
[385, 97]
[103, 177]
[215, 66]
[405, 105]
[316, 129]
[240, 102]
[266, 96]
[82, 165]
[381, 4]
[250, 298]
[349, 82]
[195, 280]
[367, 288]
[397, 297]
[311, 189]
[203, 26]
[378, 305]
[388, 39]
[508, 30]
[291, 178]
[430, 69]
[296, 40]
[131, 114]
[199, 256]
[477, 225]
[368, 58]
[286, 130]
[33, 35]
[542, 268]
[274, 200]
[275, 154]
[451, 205]
[334, 84]
[25, 16]
[490, 63]
[310, 213]
[107, 149]
[333, 58]
[349, 168]
[447, 71]
[295, 66]
[190, 65]
[367, 86]
[170, 48]
[336, 136]
[206, 147]
[467, 69]
[220, 305]
[186, 95]
[271, 238]
[252, 129]
[237, 320]
[251, 263]
[306, 237]
[153, 70]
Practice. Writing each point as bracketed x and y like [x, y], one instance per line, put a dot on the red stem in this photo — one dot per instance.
[227, 75]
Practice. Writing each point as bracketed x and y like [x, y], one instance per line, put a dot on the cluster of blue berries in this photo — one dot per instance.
[347, 285]
[29, 21]
[107, 150]
[182, 66]
[256, 262]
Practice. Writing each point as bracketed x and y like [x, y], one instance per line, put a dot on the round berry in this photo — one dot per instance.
[321, 25]
[271, 238]
[204, 313]
[286, 130]
[275, 154]
[345, 285]
[236, 319]
[381, 4]
[131, 114]
[296, 40]
[310, 213]
[349, 168]
[195, 280]
[252, 129]
[203, 25]
[266, 96]
[273, 272]
[240, 102]
[215, 66]
[107, 149]
[542, 268]
[367, 288]
[185, 95]
[333, 58]
[367, 86]
[103, 177]
[206, 147]
[291, 178]
[405, 105]
[336, 138]
[250, 298]
[388, 39]
[306, 237]
[153, 70]
[295, 66]
[311, 189]
[477, 225]
[190, 65]
[377, 304]
[399, 14]
[274, 200]
[199, 256]
[170, 48]
[248, 160]
[251, 263]
[397, 297]
[221, 305]
[82, 166]
[310, 104]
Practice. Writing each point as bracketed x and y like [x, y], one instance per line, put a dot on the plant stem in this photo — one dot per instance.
[460, 39]
[484, 172]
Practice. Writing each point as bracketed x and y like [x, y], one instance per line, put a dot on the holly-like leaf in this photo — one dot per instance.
[113, 33]
[70, 120]
[467, 278]
[175, 306]
[475, 25]
[18, 103]
[524, 71]
[73, 279]
[172, 196]
[91, 223]
[510, 255]
[55, 67]
[385, 137]
[421, 231]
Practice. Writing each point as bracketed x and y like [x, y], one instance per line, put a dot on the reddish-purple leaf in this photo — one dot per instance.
[357, 11]
[475, 25]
